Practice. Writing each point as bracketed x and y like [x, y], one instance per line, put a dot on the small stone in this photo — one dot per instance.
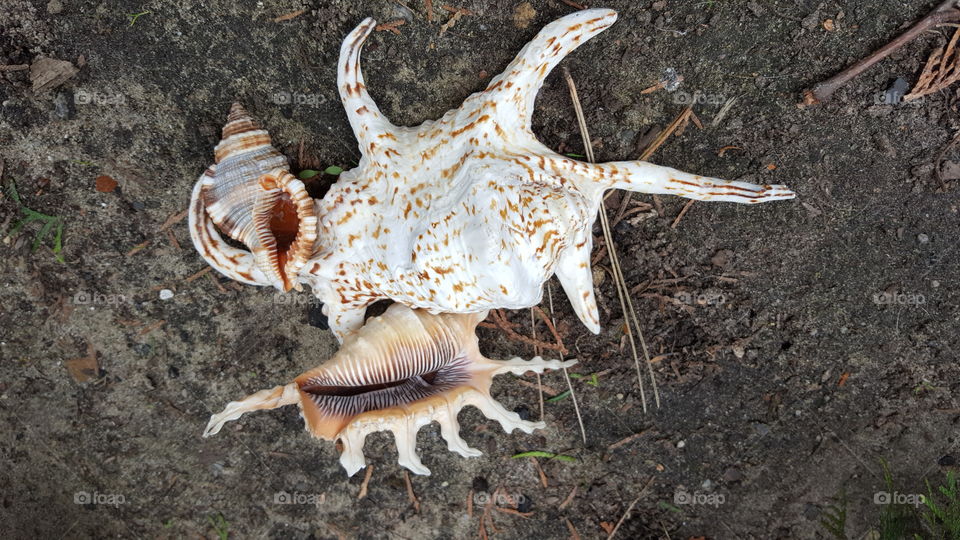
[63, 106]
[732, 475]
[166, 294]
[707, 485]
[681, 444]
[922, 238]
[722, 258]
[54, 7]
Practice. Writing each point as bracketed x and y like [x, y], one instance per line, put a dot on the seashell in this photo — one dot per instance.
[463, 214]
[399, 372]
[250, 195]
[471, 212]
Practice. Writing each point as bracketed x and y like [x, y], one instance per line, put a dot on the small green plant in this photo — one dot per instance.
[220, 525]
[50, 223]
[545, 455]
[895, 518]
[592, 380]
[134, 16]
[333, 170]
[835, 517]
[943, 519]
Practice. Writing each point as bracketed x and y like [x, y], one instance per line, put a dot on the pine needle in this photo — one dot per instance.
[626, 304]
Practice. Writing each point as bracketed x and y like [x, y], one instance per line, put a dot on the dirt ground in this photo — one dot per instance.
[798, 343]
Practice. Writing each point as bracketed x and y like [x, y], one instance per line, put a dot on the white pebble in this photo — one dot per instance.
[166, 294]
[681, 444]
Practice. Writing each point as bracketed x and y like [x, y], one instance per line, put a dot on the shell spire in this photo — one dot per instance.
[251, 196]
[399, 372]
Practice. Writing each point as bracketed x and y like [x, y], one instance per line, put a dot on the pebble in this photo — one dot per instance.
[63, 106]
[54, 7]
[166, 294]
[922, 238]
[681, 444]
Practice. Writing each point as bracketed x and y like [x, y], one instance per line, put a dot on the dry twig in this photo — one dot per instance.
[946, 12]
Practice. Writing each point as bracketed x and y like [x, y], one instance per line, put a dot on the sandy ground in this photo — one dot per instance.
[798, 344]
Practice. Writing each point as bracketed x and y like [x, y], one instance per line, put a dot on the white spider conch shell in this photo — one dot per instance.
[251, 196]
[399, 372]
[470, 212]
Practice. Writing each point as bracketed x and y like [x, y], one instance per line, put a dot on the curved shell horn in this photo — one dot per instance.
[252, 197]
[399, 372]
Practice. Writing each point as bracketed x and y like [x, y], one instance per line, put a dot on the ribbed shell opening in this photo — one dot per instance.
[350, 400]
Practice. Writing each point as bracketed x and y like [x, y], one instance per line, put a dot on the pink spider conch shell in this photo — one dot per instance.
[470, 212]
[399, 372]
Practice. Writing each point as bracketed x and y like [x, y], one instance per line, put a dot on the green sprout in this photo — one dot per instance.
[220, 525]
[333, 170]
[134, 16]
[545, 455]
[50, 223]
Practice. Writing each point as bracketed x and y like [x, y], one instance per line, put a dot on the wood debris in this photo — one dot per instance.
[14, 67]
[457, 13]
[410, 495]
[173, 220]
[291, 15]
[940, 71]
[390, 26]
[366, 482]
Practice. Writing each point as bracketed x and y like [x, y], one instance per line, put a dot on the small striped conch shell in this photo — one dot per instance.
[399, 372]
[471, 212]
[250, 195]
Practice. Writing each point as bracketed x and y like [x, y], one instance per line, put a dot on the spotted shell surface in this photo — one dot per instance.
[469, 212]
[399, 372]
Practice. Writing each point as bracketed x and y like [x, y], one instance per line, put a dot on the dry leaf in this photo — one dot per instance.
[84, 368]
[829, 26]
[49, 73]
[105, 184]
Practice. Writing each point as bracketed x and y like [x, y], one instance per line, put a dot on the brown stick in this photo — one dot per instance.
[822, 92]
